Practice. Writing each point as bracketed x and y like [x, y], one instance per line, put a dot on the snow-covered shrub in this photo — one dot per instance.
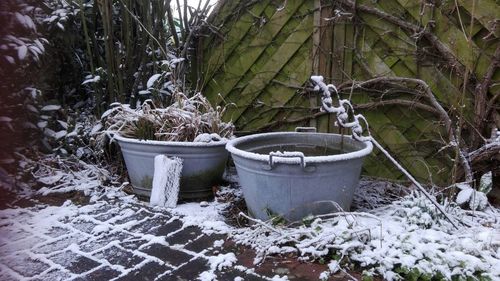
[418, 210]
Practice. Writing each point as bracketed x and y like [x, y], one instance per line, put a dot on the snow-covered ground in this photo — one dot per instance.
[402, 239]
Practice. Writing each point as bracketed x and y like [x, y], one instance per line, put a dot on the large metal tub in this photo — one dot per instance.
[203, 164]
[293, 186]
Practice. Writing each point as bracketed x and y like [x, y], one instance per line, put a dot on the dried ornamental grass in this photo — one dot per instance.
[184, 120]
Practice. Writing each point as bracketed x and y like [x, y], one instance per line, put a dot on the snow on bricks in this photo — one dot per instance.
[110, 241]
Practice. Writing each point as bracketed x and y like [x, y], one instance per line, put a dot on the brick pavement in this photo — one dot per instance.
[118, 240]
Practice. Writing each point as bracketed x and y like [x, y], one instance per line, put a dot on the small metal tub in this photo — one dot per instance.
[318, 176]
[202, 168]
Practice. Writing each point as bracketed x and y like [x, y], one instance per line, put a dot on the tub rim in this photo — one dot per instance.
[231, 147]
[119, 138]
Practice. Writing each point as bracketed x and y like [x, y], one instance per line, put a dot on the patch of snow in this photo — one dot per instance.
[10, 59]
[63, 124]
[22, 51]
[95, 129]
[334, 266]
[279, 278]
[152, 80]
[222, 261]
[464, 195]
[477, 200]
[207, 276]
[324, 275]
[51, 107]
[60, 134]
[208, 218]
[205, 137]
[218, 243]
[100, 229]
[91, 79]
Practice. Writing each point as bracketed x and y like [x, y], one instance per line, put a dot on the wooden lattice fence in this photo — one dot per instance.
[259, 61]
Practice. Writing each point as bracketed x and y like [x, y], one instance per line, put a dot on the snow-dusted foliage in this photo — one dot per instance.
[62, 11]
[20, 40]
[406, 239]
[55, 174]
[186, 119]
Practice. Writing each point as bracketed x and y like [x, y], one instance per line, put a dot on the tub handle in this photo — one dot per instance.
[305, 129]
[295, 154]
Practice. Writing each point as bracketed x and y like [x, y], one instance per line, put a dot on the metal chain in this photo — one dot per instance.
[342, 116]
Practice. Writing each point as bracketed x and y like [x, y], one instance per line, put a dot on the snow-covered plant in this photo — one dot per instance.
[418, 210]
[486, 183]
[406, 240]
[186, 119]
[54, 174]
[473, 199]
[61, 12]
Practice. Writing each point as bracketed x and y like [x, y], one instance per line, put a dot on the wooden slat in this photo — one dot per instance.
[349, 50]
[325, 59]
[485, 11]
[270, 70]
[394, 140]
[451, 36]
[337, 67]
[242, 59]
[269, 51]
[295, 72]
[233, 37]
[313, 99]
[444, 90]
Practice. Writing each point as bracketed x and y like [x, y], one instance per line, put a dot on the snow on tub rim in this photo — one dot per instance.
[296, 174]
[118, 137]
[202, 167]
[232, 147]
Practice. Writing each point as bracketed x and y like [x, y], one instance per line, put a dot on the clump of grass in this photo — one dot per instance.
[184, 120]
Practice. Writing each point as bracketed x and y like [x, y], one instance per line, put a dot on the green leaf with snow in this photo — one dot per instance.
[486, 183]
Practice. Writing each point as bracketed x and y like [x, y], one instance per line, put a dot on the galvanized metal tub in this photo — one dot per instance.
[203, 164]
[319, 179]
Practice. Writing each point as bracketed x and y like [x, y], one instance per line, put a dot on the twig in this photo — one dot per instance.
[481, 107]
[259, 222]
[443, 49]
[439, 110]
